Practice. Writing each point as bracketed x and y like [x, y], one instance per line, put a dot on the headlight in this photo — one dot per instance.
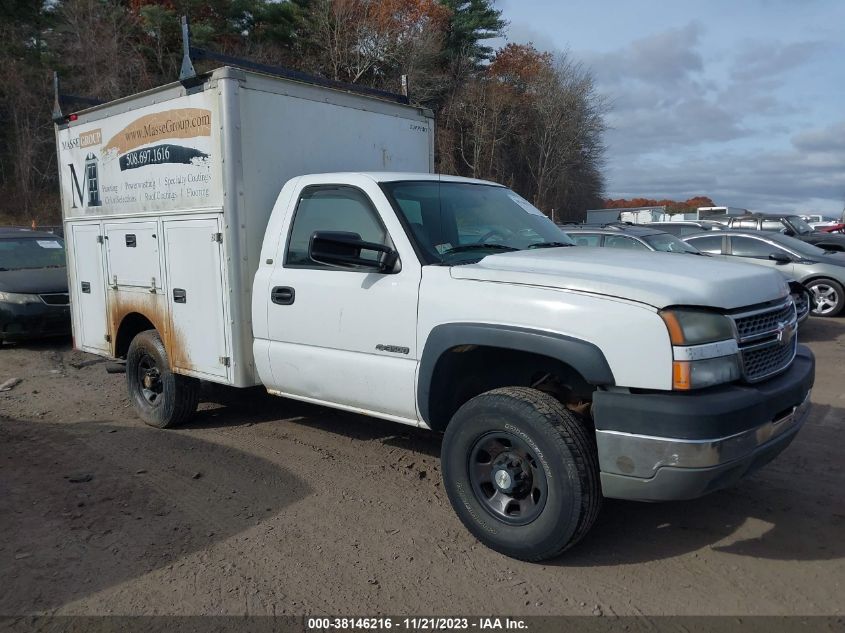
[696, 374]
[704, 349]
[694, 327]
[21, 299]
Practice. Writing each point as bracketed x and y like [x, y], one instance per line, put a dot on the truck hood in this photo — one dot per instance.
[657, 279]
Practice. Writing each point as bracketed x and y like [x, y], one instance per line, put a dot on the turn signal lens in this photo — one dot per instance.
[681, 375]
[676, 332]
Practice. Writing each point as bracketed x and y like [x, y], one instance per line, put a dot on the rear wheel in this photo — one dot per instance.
[161, 398]
[521, 472]
[828, 297]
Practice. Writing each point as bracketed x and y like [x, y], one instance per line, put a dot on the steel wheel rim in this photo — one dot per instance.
[507, 478]
[825, 298]
[149, 380]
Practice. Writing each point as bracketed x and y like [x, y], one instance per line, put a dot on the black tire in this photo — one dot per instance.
[161, 398]
[828, 297]
[557, 445]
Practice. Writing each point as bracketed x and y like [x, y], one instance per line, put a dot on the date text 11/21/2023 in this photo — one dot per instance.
[416, 624]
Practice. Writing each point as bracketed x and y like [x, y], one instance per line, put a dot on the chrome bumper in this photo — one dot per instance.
[642, 456]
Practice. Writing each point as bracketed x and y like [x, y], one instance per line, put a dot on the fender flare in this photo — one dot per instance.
[585, 357]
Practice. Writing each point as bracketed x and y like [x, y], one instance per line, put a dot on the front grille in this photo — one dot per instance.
[767, 340]
[764, 322]
[55, 299]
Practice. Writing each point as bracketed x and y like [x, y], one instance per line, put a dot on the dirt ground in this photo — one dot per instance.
[268, 506]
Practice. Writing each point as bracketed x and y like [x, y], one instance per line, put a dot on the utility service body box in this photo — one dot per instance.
[166, 196]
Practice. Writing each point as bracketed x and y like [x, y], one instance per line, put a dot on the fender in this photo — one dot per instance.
[586, 358]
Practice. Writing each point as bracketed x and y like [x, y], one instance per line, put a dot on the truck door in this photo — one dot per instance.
[89, 291]
[343, 336]
[196, 296]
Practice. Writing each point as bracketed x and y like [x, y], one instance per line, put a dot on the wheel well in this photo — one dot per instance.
[133, 324]
[820, 278]
[466, 371]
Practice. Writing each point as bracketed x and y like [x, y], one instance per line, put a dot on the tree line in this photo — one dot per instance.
[523, 117]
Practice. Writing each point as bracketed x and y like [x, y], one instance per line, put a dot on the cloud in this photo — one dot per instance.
[809, 175]
[772, 59]
[664, 59]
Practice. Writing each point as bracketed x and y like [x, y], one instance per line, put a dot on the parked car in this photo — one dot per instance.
[33, 285]
[822, 272]
[627, 236]
[790, 225]
[680, 228]
[823, 222]
[648, 237]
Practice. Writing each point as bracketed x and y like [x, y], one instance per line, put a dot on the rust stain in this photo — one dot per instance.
[153, 306]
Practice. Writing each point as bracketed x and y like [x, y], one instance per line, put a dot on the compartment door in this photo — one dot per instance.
[195, 295]
[89, 291]
[133, 254]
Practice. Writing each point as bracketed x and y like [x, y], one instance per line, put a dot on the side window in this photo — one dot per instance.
[586, 239]
[709, 244]
[332, 208]
[621, 241]
[749, 247]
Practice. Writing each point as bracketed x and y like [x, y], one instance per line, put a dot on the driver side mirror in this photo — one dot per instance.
[342, 249]
[780, 258]
[789, 232]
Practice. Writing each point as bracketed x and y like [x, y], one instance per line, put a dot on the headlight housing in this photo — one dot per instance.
[704, 348]
[694, 327]
[18, 298]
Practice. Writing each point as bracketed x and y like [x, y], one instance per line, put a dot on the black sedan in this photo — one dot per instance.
[33, 286]
[789, 225]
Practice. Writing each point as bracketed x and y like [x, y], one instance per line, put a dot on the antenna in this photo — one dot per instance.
[57, 107]
[187, 71]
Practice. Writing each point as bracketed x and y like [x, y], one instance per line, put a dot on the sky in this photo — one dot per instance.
[739, 100]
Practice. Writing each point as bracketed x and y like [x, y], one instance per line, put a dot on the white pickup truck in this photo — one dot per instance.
[558, 375]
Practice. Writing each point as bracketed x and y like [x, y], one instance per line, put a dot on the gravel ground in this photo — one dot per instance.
[268, 506]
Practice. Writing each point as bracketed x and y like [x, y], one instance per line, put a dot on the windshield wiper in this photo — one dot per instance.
[472, 247]
[549, 245]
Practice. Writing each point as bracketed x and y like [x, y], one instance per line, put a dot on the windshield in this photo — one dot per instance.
[456, 223]
[800, 226]
[669, 244]
[797, 246]
[31, 252]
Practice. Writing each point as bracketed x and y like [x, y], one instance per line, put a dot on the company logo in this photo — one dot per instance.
[85, 139]
[785, 332]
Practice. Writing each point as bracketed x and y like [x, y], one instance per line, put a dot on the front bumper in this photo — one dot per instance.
[664, 446]
[20, 322]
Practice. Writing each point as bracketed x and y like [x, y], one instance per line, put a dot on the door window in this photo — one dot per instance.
[620, 241]
[749, 247]
[586, 239]
[334, 208]
[709, 244]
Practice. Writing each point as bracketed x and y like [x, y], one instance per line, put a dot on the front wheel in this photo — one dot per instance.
[828, 297]
[521, 472]
[161, 398]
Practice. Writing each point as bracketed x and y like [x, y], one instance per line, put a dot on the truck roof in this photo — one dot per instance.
[393, 176]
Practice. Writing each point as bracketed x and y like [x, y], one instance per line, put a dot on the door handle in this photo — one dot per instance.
[179, 295]
[282, 295]
[86, 287]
